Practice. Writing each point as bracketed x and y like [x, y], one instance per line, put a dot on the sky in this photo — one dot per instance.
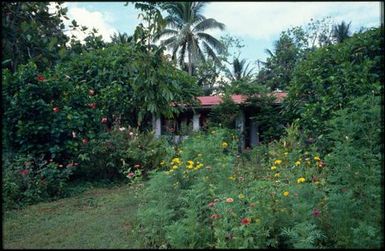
[256, 24]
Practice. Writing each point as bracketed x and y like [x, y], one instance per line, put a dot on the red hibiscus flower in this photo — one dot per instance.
[245, 221]
[40, 78]
[24, 172]
[56, 109]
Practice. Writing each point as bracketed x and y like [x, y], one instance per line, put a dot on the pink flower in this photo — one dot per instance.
[92, 105]
[24, 172]
[137, 166]
[215, 216]
[55, 109]
[104, 120]
[316, 212]
[91, 92]
[85, 141]
[130, 175]
[211, 204]
[229, 200]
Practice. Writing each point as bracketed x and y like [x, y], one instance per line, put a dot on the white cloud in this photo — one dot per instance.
[102, 21]
[264, 20]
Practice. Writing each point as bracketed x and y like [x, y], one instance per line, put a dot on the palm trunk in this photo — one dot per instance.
[189, 63]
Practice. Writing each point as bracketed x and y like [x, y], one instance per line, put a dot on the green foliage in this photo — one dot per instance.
[31, 33]
[355, 177]
[332, 76]
[122, 151]
[225, 113]
[29, 179]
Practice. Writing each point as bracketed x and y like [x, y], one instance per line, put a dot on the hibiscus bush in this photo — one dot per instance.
[66, 113]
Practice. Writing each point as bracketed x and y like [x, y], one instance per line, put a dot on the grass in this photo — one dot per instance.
[97, 218]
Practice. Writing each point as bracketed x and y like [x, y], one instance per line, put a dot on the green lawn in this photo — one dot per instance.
[97, 218]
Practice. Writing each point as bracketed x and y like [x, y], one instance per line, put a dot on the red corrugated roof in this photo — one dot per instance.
[238, 99]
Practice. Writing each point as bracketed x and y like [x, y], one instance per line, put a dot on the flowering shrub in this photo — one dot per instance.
[233, 202]
[29, 180]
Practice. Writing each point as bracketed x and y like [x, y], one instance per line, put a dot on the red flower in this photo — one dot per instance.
[316, 212]
[85, 141]
[91, 92]
[211, 204]
[92, 105]
[104, 120]
[245, 221]
[56, 109]
[130, 175]
[40, 78]
[215, 216]
[24, 172]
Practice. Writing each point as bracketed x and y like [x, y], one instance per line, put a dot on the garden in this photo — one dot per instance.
[79, 150]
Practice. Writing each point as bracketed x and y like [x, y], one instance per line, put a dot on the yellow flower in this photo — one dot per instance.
[190, 167]
[277, 175]
[297, 163]
[286, 193]
[231, 178]
[162, 163]
[190, 162]
[199, 166]
[225, 145]
[174, 167]
[273, 168]
[301, 180]
[317, 158]
[278, 161]
[241, 196]
[286, 153]
[175, 161]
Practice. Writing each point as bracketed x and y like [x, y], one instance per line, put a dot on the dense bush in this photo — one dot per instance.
[332, 76]
[122, 152]
[55, 114]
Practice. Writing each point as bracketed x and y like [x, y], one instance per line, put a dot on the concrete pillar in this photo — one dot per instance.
[240, 126]
[254, 133]
[156, 125]
[195, 121]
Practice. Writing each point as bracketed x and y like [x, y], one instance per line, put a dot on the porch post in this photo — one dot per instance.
[254, 133]
[156, 125]
[196, 122]
[240, 125]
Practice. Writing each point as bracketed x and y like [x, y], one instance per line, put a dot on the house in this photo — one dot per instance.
[195, 118]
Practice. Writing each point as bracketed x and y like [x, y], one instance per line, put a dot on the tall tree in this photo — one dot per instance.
[341, 32]
[31, 32]
[186, 31]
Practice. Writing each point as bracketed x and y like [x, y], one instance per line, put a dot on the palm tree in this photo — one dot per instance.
[341, 31]
[240, 70]
[121, 38]
[185, 29]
